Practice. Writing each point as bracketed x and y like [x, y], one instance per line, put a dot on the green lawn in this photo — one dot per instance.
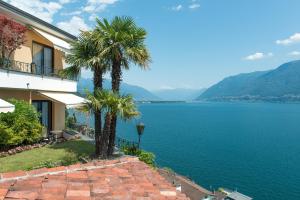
[58, 154]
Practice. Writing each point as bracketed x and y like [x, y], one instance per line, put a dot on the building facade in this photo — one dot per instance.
[33, 70]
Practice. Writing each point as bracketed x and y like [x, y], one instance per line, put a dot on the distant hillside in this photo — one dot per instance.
[179, 94]
[281, 84]
[139, 93]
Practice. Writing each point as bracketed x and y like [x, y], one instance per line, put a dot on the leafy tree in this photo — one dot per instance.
[86, 54]
[112, 104]
[12, 36]
[21, 126]
[124, 43]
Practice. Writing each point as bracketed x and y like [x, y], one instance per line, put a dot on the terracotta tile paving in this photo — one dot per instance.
[121, 179]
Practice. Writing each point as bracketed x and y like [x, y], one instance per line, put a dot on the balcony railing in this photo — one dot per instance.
[32, 68]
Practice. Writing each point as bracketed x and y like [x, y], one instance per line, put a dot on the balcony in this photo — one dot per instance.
[20, 75]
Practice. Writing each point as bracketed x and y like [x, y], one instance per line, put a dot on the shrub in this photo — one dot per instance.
[70, 120]
[145, 156]
[21, 126]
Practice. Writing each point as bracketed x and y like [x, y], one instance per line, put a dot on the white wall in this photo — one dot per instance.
[18, 80]
[58, 118]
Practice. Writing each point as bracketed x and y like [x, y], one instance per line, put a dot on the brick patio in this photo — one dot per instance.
[125, 178]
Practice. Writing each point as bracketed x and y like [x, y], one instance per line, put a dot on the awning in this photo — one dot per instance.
[57, 42]
[70, 100]
[6, 107]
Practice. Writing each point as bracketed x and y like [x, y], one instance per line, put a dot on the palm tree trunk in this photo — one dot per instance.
[116, 78]
[105, 136]
[98, 79]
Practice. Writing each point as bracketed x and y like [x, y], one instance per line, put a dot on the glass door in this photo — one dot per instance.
[45, 110]
[37, 59]
[48, 61]
[42, 57]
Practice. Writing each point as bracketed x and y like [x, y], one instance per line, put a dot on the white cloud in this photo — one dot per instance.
[77, 12]
[177, 8]
[294, 53]
[291, 40]
[39, 8]
[194, 6]
[74, 25]
[64, 1]
[92, 17]
[258, 56]
[93, 6]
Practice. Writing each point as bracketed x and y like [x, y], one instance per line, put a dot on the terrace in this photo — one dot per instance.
[32, 69]
[124, 178]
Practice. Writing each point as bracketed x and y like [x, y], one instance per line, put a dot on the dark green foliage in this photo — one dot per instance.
[21, 126]
[71, 121]
[145, 156]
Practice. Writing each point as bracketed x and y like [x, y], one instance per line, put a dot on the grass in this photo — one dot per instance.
[63, 153]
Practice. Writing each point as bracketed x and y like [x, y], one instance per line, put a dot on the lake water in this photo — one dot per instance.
[251, 147]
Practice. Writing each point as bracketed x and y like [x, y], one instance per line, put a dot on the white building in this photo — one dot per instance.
[32, 73]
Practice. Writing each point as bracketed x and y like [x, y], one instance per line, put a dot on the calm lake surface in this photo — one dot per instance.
[251, 147]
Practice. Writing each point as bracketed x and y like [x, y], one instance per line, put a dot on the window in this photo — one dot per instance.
[42, 57]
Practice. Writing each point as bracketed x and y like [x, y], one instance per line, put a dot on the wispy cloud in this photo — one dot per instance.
[39, 8]
[77, 12]
[177, 8]
[258, 56]
[74, 25]
[194, 6]
[290, 40]
[93, 6]
[294, 53]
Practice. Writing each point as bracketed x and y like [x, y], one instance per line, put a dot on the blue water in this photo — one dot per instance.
[251, 147]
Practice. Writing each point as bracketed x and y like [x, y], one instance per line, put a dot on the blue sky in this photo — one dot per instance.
[193, 43]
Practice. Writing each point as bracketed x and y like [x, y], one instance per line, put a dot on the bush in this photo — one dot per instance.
[145, 156]
[21, 126]
[71, 121]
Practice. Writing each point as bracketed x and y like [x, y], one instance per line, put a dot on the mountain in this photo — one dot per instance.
[179, 94]
[280, 84]
[139, 93]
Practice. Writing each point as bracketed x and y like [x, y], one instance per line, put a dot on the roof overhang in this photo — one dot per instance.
[6, 107]
[28, 19]
[70, 100]
[57, 42]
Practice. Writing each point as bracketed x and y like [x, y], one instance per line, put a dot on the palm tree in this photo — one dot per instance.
[111, 104]
[124, 43]
[86, 54]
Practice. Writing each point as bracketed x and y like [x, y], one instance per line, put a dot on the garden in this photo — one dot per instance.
[109, 48]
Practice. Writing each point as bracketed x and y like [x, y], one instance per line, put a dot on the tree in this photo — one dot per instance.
[86, 54]
[12, 36]
[124, 43]
[111, 104]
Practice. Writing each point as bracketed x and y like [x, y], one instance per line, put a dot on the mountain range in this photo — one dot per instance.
[142, 94]
[280, 84]
[178, 94]
[139, 93]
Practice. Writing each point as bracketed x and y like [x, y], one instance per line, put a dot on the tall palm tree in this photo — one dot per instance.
[124, 43]
[111, 104]
[86, 54]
